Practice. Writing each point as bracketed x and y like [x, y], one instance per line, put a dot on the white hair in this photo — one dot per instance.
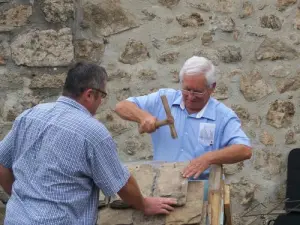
[199, 65]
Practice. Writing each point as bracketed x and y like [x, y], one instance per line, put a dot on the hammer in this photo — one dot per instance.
[170, 119]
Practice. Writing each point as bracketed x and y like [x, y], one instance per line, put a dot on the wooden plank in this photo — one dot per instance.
[215, 194]
[227, 205]
[191, 212]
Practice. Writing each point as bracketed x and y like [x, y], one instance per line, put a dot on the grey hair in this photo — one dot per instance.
[197, 65]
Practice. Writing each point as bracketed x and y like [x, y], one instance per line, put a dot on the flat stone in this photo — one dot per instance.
[135, 147]
[207, 38]
[244, 191]
[231, 169]
[192, 20]
[297, 129]
[253, 87]
[290, 137]
[201, 5]
[168, 57]
[271, 21]
[191, 213]
[5, 52]
[169, 3]
[57, 11]
[230, 54]
[140, 219]
[172, 188]
[16, 16]
[119, 75]
[175, 76]
[241, 112]
[266, 138]
[110, 216]
[90, 50]
[221, 91]
[280, 113]
[134, 52]
[283, 4]
[147, 74]
[106, 17]
[210, 54]
[288, 84]
[148, 15]
[280, 72]
[247, 10]
[178, 39]
[226, 24]
[43, 48]
[48, 81]
[274, 49]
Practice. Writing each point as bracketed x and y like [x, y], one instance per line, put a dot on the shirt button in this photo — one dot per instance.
[186, 133]
[182, 149]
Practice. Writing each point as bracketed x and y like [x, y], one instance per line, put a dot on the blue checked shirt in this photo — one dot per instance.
[213, 128]
[60, 156]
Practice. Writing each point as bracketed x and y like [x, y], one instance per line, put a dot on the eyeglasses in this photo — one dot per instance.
[103, 93]
[194, 93]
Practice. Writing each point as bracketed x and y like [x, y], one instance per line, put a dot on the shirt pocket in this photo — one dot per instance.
[202, 149]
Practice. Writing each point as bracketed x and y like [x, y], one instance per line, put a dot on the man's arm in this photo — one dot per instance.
[6, 179]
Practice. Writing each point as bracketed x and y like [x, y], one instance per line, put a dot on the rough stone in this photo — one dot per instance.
[148, 15]
[230, 54]
[192, 20]
[123, 93]
[120, 75]
[106, 17]
[290, 137]
[9, 80]
[266, 138]
[48, 81]
[280, 113]
[169, 3]
[244, 191]
[231, 169]
[283, 4]
[253, 87]
[226, 24]
[274, 49]
[288, 84]
[89, 50]
[199, 5]
[297, 20]
[5, 52]
[134, 145]
[210, 54]
[247, 10]
[174, 188]
[57, 11]
[134, 52]
[268, 162]
[207, 38]
[108, 216]
[270, 21]
[43, 48]
[191, 212]
[241, 112]
[175, 76]
[280, 72]
[186, 37]
[16, 16]
[147, 74]
[297, 129]
[221, 91]
[168, 57]
[140, 219]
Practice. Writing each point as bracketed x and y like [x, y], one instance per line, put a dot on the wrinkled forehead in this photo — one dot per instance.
[194, 82]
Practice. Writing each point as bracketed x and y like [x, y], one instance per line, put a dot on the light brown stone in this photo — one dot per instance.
[16, 16]
[175, 76]
[179, 39]
[106, 17]
[283, 4]
[270, 21]
[110, 216]
[288, 84]
[201, 5]
[134, 52]
[210, 54]
[274, 49]
[280, 113]
[57, 11]
[43, 48]
[244, 190]
[221, 91]
[147, 74]
[119, 75]
[226, 24]
[247, 10]
[207, 38]
[230, 54]
[241, 112]
[12, 81]
[140, 219]
[169, 3]
[169, 57]
[191, 213]
[123, 93]
[280, 71]
[192, 20]
[48, 81]
[175, 187]
[290, 137]
[253, 87]
[266, 138]
[231, 169]
[89, 50]
[297, 20]
[5, 52]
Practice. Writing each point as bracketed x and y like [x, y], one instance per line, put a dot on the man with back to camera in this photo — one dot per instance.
[57, 156]
[208, 131]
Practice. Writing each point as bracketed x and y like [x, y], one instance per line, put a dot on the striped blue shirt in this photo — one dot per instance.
[60, 156]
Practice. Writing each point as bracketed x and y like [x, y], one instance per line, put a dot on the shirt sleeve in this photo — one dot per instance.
[233, 133]
[146, 102]
[7, 147]
[107, 171]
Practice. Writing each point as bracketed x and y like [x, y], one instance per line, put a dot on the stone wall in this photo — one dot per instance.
[143, 44]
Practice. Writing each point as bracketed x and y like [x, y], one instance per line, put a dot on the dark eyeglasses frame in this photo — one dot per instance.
[103, 93]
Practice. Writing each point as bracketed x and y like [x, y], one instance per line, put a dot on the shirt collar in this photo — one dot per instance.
[208, 110]
[73, 103]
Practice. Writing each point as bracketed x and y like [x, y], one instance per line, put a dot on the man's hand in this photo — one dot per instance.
[196, 167]
[147, 124]
[155, 205]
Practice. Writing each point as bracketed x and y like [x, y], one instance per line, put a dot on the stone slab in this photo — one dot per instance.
[110, 216]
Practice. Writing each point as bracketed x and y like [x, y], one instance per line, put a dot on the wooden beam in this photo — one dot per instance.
[215, 194]
[227, 205]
